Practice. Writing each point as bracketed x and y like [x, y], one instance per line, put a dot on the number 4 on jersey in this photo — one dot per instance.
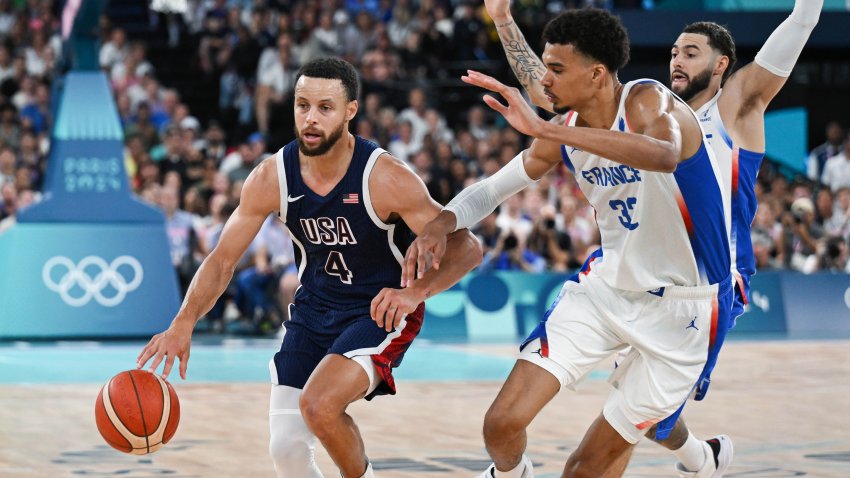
[335, 266]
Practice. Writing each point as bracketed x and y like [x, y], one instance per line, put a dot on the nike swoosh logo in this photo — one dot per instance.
[293, 199]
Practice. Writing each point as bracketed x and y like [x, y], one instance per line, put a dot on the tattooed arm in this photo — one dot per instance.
[527, 67]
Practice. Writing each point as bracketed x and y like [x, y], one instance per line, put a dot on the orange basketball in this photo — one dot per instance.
[137, 412]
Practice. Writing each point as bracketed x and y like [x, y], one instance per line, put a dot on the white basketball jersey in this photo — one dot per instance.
[738, 169]
[658, 229]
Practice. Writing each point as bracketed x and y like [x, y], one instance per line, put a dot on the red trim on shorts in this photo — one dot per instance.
[387, 360]
[647, 424]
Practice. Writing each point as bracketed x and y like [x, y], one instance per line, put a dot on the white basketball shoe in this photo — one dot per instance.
[719, 450]
[528, 471]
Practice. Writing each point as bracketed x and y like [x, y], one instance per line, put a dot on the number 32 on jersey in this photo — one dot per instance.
[625, 208]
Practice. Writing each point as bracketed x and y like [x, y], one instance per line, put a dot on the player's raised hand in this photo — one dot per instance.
[168, 345]
[518, 113]
[391, 305]
[499, 10]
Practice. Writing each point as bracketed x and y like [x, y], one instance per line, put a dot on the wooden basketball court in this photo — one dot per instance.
[786, 405]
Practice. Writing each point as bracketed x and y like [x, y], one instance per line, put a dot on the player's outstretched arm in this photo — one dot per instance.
[655, 147]
[399, 194]
[755, 85]
[527, 66]
[475, 203]
[258, 199]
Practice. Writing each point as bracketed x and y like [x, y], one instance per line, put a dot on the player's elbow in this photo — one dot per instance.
[666, 160]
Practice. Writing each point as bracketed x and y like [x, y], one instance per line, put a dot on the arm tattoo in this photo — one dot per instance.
[528, 69]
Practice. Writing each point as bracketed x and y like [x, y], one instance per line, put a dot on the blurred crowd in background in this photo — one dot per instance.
[192, 166]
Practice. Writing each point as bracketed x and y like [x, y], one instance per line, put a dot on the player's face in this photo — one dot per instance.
[322, 113]
[692, 64]
[569, 76]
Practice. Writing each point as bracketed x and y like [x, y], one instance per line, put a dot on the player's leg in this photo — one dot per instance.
[292, 445]
[527, 389]
[359, 364]
[567, 344]
[603, 452]
[694, 454]
[337, 382]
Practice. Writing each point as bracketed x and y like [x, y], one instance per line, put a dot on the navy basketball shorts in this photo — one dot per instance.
[312, 333]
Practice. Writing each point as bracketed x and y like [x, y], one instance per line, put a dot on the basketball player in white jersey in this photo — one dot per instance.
[731, 109]
[349, 207]
[662, 285]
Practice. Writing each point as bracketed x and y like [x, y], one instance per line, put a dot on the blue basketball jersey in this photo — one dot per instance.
[740, 168]
[345, 253]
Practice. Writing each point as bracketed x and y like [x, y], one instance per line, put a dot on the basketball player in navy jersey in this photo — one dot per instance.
[663, 286]
[731, 109]
[352, 210]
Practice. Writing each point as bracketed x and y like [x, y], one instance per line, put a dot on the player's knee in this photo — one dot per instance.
[292, 448]
[500, 424]
[318, 411]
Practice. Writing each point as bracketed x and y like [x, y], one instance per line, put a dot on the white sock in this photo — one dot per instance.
[692, 454]
[515, 473]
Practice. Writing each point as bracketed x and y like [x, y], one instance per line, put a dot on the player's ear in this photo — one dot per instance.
[721, 65]
[598, 71]
[351, 110]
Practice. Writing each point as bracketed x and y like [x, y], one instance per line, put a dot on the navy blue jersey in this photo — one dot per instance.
[345, 253]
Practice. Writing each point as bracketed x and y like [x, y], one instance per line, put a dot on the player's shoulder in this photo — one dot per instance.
[647, 93]
[262, 181]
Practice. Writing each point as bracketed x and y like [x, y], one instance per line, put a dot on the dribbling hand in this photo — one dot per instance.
[168, 345]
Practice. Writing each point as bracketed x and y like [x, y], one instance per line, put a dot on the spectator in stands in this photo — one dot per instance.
[182, 239]
[36, 115]
[804, 234]
[415, 114]
[819, 155]
[511, 254]
[552, 245]
[836, 171]
[8, 199]
[274, 268]
[115, 50]
[275, 82]
[7, 166]
[404, 146]
[10, 133]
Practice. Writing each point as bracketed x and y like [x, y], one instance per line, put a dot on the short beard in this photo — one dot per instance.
[324, 146]
[696, 85]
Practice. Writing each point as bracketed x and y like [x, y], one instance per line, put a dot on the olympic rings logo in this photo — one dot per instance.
[76, 277]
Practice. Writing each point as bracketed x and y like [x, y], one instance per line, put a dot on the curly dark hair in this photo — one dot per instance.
[596, 33]
[719, 39]
[333, 69]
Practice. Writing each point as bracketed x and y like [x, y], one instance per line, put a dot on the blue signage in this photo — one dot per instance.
[72, 280]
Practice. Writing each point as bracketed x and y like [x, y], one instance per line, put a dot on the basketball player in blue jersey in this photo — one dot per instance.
[351, 209]
[731, 109]
[662, 288]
